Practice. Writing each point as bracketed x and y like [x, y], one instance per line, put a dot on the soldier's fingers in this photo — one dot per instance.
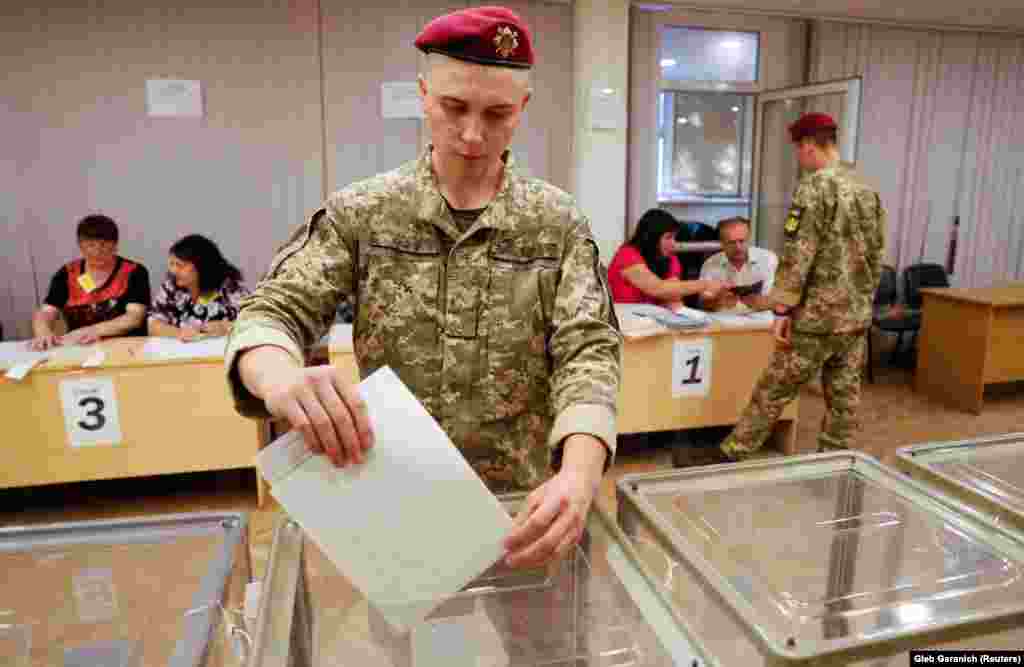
[341, 420]
[359, 413]
[543, 549]
[292, 411]
[324, 427]
[538, 523]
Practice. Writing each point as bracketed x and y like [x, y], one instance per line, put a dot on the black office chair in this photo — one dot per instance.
[884, 318]
[915, 278]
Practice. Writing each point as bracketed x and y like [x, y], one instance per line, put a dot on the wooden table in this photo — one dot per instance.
[738, 357]
[176, 416]
[969, 338]
[646, 402]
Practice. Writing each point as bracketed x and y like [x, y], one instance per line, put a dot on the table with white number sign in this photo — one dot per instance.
[142, 407]
[673, 380]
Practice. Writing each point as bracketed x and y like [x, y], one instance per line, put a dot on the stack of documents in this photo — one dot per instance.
[755, 320]
[410, 526]
[683, 318]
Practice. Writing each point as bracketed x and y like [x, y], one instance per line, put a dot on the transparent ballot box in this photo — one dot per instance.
[823, 559]
[593, 609]
[986, 475]
[149, 592]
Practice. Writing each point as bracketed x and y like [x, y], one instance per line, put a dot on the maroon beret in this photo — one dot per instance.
[810, 123]
[485, 35]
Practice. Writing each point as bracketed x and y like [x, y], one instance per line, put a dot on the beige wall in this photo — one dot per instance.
[77, 138]
[782, 49]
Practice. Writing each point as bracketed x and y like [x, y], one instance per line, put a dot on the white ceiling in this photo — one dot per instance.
[987, 15]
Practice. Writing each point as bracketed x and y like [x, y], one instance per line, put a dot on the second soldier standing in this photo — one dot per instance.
[824, 289]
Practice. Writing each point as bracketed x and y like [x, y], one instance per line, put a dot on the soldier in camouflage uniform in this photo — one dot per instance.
[480, 287]
[824, 288]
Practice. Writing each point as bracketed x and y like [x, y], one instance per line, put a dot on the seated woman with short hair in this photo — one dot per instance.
[646, 269]
[200, 296]
[101, 295]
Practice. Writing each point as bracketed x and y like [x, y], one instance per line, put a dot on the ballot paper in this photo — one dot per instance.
[410, 526]
[171, 348]
[755, 320]
[18, 360]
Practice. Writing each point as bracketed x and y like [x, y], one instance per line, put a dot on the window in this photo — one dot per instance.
[705, 114]
[703, 147]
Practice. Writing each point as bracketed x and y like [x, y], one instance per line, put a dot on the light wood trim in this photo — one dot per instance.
[1006, 295]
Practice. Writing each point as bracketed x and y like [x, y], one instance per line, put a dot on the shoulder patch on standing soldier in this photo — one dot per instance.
[793, 219]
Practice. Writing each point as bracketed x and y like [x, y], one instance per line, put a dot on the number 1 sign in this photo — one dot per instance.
[691, 367]
[90, 412]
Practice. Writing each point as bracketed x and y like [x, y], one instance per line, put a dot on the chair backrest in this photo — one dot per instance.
[917, 276]
[887, 293]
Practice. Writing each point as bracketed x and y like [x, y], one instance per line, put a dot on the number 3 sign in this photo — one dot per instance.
[90, 412]
[691, 367]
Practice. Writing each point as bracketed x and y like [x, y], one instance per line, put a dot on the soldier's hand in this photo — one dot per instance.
[551, 521]
[326, 409]
[782, 330]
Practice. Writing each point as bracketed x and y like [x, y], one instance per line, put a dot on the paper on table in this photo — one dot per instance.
[16, 352]
[410, 526]
[170, 348]
[756, 320]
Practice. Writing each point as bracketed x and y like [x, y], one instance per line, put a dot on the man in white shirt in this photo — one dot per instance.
[751, 270]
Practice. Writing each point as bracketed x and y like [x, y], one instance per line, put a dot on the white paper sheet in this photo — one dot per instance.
[14, 353]
[410, 526]
[339, 337]
[171, 348]
[757, 320]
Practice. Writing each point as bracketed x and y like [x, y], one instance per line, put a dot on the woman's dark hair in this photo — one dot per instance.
[647, 235]
[205, 256]
[97, 228]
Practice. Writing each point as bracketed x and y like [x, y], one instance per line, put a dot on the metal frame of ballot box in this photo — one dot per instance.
[158, 591]
[822, 559]
[642, 633]
[984, 475]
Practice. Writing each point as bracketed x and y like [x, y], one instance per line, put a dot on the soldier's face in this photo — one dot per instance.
[808, 155]
[472, 110]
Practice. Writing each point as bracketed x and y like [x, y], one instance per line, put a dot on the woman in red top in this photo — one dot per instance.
[646, 270]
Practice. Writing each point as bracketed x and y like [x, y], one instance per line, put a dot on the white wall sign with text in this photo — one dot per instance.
[691, 367]
[400, 99]
[91, 414]
[174, 98]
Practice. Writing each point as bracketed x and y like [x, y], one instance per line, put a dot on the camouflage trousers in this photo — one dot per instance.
[840, 360]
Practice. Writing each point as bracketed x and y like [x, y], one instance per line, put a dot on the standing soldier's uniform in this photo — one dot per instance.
[828, 274]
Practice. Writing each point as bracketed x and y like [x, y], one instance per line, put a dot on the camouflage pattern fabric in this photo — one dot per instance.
[839, 358]
[506, 332]
[834, 248]
[830, 268]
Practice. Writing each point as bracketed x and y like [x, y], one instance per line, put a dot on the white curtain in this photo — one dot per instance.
[939, 137]
[991, 248]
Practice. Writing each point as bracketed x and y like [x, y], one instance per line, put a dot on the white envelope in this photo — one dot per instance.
[410, 526]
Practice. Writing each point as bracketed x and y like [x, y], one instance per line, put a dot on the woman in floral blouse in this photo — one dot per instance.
[200, 295]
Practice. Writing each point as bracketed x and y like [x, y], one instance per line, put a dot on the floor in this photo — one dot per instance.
[893, 417]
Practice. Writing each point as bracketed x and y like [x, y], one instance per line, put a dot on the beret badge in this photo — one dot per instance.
[506, 41]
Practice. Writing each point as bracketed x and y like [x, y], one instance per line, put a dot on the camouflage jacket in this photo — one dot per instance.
[506, 333]
[832, 260]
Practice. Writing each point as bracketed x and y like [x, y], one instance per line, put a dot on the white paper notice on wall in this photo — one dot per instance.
[691, 367]
[607, 109]
[174, 98]
[400, 99]
[91, 413]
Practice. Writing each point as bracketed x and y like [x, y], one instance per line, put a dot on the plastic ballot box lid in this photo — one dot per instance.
[823, 559]
[161, 591]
